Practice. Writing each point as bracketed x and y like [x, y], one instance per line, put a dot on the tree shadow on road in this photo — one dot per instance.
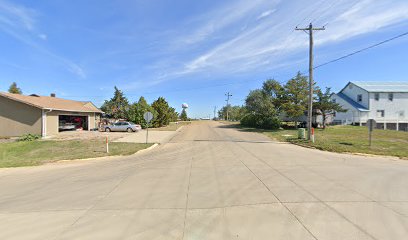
[241, 128]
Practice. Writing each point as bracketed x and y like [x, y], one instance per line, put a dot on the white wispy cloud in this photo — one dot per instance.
[265, 14]
[17, 15]
[20, 22]
[273, 40]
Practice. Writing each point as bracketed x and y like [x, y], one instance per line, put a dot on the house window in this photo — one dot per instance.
[380, 113]
[376, 96]
[390, 96]
[401, 114]
[334, 100]
[359, 98]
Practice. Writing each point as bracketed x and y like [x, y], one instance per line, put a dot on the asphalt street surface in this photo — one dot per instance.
[210, 181]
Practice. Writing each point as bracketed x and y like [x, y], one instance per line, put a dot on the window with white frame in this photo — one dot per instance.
[390, 96]
[376, 96]
[359, 98]
[380, 113]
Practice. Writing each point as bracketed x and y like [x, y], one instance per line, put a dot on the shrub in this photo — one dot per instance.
[260, 121]
[29, 137]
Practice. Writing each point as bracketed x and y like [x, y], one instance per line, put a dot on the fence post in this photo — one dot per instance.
[107, 145]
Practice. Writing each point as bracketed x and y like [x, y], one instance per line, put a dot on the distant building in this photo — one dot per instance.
[43, 115]
[385, 102]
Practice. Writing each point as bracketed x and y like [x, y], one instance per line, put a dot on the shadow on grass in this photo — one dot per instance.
[346, 143]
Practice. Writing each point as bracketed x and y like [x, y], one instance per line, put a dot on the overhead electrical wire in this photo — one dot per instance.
[361, 50]
[241, 82]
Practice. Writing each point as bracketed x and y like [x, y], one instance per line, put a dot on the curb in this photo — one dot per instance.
[144, 150]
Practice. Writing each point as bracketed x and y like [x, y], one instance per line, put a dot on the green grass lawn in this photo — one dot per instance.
[352, 139]
[171, 127]
[18, 154]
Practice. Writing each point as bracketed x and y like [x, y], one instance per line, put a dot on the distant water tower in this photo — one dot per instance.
[184, 106]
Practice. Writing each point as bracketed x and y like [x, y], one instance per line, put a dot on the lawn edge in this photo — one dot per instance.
[339, 152]
[67, 161]
[263, 132]
[104, 157]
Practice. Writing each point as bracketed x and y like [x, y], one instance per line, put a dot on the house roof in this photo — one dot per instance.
[382, 86]
[54, 103]
[352, 103]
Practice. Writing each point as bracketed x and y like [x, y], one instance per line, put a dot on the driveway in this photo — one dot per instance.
[210, 182]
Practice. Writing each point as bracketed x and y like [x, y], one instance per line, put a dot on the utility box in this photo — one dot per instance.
[301, 133]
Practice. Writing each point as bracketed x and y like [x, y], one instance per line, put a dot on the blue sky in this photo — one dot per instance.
[193, 51]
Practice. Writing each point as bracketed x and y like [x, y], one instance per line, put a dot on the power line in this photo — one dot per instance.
[250, 80]
[361, 50]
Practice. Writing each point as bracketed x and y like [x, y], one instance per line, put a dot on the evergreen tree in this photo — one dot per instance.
[14, 89]
[183, 115]
[138, 109]
[325, 105]
[173, 115]
[118, 106]
[163, 112]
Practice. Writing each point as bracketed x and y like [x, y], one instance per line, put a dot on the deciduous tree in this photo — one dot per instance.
[260, 111]
[294, 99]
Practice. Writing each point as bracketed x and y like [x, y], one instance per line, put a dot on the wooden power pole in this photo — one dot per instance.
[309, 30]
[228, 97]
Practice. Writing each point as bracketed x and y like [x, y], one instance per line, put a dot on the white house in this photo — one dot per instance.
[385, 102]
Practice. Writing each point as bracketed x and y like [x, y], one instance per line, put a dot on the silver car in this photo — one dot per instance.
[123, 127]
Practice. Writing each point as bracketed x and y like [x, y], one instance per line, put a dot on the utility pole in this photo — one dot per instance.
[215, 110]
[228, 97]
[310, 30]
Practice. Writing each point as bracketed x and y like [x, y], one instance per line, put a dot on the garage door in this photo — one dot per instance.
[72, 122]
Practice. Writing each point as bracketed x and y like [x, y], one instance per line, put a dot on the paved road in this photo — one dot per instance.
[210, 182]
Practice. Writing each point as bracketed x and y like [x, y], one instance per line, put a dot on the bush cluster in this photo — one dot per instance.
[29, 137]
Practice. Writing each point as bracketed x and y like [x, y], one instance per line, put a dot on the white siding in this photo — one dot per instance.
[352, 91]
[391, 108]
[352, 114]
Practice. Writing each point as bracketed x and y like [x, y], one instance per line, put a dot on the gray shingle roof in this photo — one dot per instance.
[383, 86]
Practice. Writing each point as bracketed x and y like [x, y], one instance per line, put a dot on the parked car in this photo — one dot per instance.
[123, 127]
[64, 126]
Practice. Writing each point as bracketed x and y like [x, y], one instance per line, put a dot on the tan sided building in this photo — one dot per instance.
[21, 114]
